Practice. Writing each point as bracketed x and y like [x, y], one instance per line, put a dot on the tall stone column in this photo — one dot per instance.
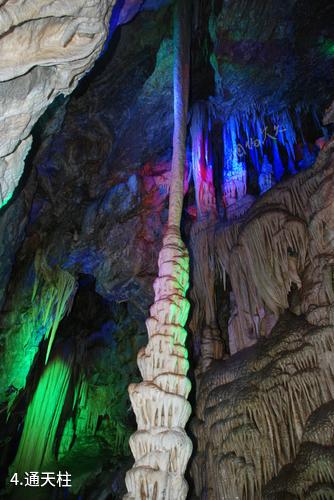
[160, 446]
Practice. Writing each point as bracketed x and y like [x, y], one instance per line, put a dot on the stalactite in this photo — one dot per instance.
[37, 444]
[160, 446]
[298, 113]
[245, 414]
[287, 134]
[39, 318]
[234, 169]
[202, 167]
[266, 177]
[261, 270]
[308, 158]
[254, 134]
[278, 165]
[59, 285]
[204, 314]
[280, 240]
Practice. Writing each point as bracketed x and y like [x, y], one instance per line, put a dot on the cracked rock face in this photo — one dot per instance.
[46, 46]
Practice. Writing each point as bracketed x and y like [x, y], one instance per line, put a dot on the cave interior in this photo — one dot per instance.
[238, 401]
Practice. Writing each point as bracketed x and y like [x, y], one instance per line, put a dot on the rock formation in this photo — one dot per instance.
[276, 253]
[45, 47]
[252, 163]
[161, 447]
[252, 415]
[261, 414]
[202, 168]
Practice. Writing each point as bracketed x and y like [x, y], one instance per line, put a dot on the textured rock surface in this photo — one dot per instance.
[252, 417]
[46, 46]
[99, 207]
[311, 474]
[100, 201]
[253, 409]
[99, 177]
[265, 43]
[12, 235]
[277, 256]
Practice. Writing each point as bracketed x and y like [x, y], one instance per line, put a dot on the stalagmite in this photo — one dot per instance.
[160, 446]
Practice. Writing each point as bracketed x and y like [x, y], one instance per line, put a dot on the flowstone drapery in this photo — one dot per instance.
[204, 318]
[277, 256]
[252, 414]
[204, 314]
[33, 316]
[36, 448]
[264, 415]
[160, 446]
[202, 167]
